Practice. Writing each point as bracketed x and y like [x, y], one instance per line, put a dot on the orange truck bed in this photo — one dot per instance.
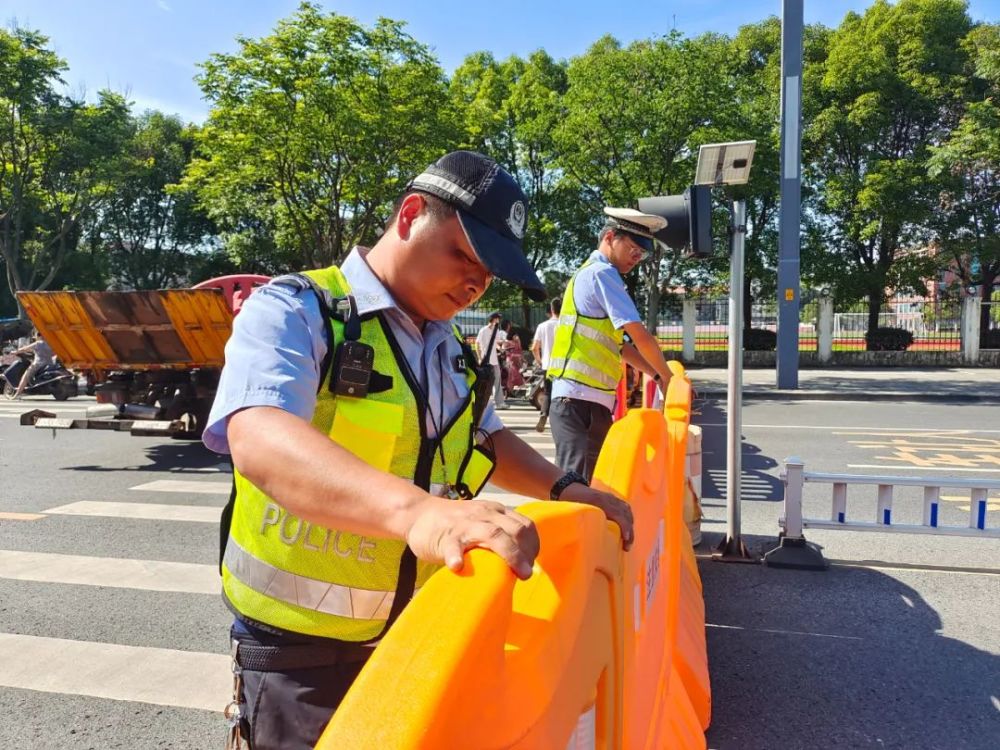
[142, 330]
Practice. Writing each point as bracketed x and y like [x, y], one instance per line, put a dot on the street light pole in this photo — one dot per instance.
[790, 211]
[721, 164]
[732, 549]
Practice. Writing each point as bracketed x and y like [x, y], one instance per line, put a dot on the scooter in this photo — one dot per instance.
[534, 380]
[53, 380]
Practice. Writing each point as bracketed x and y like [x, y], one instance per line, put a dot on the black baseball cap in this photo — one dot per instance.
[492, 210]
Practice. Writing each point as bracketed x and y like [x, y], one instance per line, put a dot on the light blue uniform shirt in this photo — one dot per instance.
[598, 292]
[278, 343]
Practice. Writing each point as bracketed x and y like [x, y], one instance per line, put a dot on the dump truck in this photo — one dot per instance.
[155, 356]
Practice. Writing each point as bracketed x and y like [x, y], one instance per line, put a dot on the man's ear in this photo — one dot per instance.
[412, 206]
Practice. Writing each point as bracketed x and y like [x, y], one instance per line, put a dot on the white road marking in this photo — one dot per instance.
[183, 485]
[776, 631]
[143, 511]
[147, 575]
[161, 676]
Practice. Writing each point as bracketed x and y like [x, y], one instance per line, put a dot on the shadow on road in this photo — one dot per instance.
[174, 457]
[847, 658]
[756, 483]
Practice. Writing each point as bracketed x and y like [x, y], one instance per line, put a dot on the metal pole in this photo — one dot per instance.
[732, 547]
[789, 219]
[734, 399]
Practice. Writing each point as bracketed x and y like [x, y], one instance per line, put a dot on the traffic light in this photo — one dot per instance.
[689, 219]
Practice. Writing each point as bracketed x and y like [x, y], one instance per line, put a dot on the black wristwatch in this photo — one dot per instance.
[570, 477]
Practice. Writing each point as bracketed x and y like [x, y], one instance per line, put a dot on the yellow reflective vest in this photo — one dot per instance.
[586, 350]
[284, 573]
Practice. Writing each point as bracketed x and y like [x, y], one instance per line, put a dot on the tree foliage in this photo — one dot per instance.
[888, 93]
[55, 153]
[967, 168]
[314, 130]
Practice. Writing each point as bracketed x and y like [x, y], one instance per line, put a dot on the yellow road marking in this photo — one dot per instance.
[992, 503]
[11, 516]
[931, 446]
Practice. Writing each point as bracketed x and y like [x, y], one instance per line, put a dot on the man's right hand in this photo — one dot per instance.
[443, 530]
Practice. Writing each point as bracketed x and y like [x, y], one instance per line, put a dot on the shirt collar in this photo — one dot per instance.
[598, 257]
[370, 293]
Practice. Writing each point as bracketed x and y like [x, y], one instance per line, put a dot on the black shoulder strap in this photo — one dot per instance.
[336, 308]
[226, 521]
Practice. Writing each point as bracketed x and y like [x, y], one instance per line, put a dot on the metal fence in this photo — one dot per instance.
[936, 325]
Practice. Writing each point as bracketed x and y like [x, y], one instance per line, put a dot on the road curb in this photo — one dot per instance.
[808, 395]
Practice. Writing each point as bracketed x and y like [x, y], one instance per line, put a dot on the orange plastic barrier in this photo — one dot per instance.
[621, 395]
[599, 646]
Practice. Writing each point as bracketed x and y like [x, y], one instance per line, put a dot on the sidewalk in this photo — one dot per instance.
[956, 384]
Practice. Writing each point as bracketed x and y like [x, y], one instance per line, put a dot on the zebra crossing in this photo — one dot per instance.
[143, 673]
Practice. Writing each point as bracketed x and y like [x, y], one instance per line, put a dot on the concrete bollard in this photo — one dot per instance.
[692, 484]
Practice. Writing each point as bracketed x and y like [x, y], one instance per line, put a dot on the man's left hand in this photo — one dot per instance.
[615, 509]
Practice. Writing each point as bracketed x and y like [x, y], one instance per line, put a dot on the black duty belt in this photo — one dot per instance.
[257, 658]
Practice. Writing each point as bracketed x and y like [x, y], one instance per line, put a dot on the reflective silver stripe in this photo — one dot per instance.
[594, 335]
[575, 365]
[456, 191]
[567, 320]
[308, 593]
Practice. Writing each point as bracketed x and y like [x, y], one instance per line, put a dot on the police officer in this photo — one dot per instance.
[586, 361]
[358, 425]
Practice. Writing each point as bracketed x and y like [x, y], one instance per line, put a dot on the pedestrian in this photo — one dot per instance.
[541, 347]
[512, 359]
[586, 360]
[359, 426]
[489, 340]
[42, 356]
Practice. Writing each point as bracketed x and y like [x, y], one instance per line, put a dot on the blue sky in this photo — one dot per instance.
[150, 48]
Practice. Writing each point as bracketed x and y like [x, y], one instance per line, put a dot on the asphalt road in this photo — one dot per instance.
[113, 635]
[897, 645]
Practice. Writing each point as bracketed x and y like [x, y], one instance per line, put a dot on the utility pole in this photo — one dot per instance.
[790, 216]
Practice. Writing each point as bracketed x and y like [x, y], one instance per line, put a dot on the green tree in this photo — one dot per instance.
[634, 117]
[153, 236]
[313, 132]
[55, 151]
[967, 222]
[510, 111]
[888, 91]
[752, 113]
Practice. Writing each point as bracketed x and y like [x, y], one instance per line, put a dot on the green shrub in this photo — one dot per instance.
[888, 340]
[760, 340]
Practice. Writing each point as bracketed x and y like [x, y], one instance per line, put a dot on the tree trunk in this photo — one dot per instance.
[653, 309]
[874, 308]
[652, 278]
